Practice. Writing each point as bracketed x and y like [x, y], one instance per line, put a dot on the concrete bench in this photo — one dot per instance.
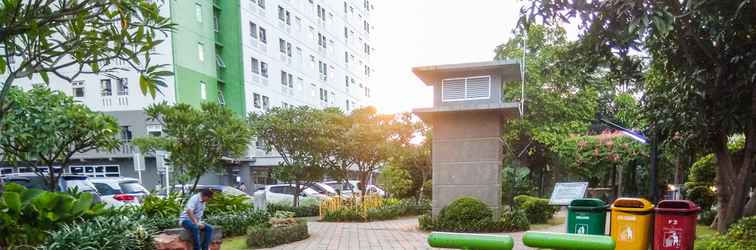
[180, 239]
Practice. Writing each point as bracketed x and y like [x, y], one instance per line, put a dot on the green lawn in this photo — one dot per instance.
[704, 235]
[234, 243]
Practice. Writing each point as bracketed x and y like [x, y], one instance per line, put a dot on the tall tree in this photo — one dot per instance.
[44, 129]
[335, 155]
[67, 38]
[559, 102]
[410, 155]
[369, 144]
[299, 135]
[702, 69]
[198, 140]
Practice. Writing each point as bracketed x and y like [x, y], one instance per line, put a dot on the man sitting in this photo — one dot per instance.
[191, 219]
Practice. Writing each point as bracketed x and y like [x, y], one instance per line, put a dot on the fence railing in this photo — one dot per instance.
[335, 203]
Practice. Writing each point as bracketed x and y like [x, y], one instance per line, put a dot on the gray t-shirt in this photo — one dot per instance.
[195, 204]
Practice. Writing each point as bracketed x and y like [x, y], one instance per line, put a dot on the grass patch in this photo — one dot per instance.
[704, 236]
[555, 221]
[235, 243]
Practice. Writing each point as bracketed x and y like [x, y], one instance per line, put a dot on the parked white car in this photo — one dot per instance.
[352, 188]
[119, 191]
[284, 193]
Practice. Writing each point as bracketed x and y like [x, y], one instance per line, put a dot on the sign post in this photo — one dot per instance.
[162, 166]
[565, 192]
[138, 167]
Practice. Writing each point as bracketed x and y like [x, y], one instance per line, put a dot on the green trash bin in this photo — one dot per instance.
[586, 216]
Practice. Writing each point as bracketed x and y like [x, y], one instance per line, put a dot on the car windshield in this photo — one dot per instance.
[132, 187]
[105, 189]
[233, 191]
[81, 184]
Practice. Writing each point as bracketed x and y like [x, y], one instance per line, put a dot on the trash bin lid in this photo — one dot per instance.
[587, 205]
[632, 205]
[677, 206]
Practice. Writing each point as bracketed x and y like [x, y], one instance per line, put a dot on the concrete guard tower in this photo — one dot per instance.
[466, 118]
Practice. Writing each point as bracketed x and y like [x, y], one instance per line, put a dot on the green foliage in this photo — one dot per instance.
[700, 180]
[301, 211]
[28, 214]
[273, 236]
[163, 207]
[343, 214]
[513, 220]
[697, 76]
[425, 221]
[409, 172]
[116, 233]
[592, 157]
[236, 223]
[515, 181]
[369, 144]
[65, 40]
[44, 128]
[466, 214]
[300, 135]
[396, 181]
[197, 139]
[222, 203]
[707, 216]
[536, 209]
[741, 235]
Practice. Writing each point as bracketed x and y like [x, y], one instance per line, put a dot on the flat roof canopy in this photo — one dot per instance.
[507, 109]
[509, 70]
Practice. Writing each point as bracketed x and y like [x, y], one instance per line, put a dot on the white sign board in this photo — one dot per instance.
[565, 192]
[138, 166]
[160, 161]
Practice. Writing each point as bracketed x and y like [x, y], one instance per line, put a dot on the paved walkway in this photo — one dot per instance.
[394, 234]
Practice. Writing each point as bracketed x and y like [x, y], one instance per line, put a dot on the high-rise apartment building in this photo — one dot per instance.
[249, 55]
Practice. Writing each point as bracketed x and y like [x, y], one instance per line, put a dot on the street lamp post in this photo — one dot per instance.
[638, 136]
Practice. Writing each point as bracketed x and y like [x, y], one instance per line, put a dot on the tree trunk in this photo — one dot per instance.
[194, 186]
[724, 168]
[363, 185]
[297, 192]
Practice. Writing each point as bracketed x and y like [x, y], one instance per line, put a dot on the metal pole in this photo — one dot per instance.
[654, 191]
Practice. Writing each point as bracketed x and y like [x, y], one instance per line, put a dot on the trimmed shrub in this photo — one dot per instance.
[236, 223]
[538, 210]
[343, 214]
[514, 220]
[465, 210]
[301, 211]
[466, 214]
[741, 235]
[258, 236]
[117, 232]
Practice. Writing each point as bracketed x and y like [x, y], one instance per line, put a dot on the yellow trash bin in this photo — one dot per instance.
[631, 223]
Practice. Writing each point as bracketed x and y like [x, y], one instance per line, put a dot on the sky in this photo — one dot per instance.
[411, 33]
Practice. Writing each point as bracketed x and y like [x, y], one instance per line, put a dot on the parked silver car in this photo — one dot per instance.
[120, 191]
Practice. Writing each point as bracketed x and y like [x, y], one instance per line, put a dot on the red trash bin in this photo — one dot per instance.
[675, 225]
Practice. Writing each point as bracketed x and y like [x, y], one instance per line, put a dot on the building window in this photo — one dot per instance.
[323, 95]
[263, 35]
[346, 81]
[266, 103]
[260, 144]
[256, 100]
[466, 88]
[346, 33]
[261, 3]
[126, 134]
[216, 23]
[97, 171]
[123, 86]
[200, 52]
[255, 66]
[155, 130]
[264, 69]
[322, 40]
[203, 90]
[221, 96]
[367, 49]
[253, 30]
[198, 12]
[287, 80]
[78, 88]
[346, 57]
[106, 87]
